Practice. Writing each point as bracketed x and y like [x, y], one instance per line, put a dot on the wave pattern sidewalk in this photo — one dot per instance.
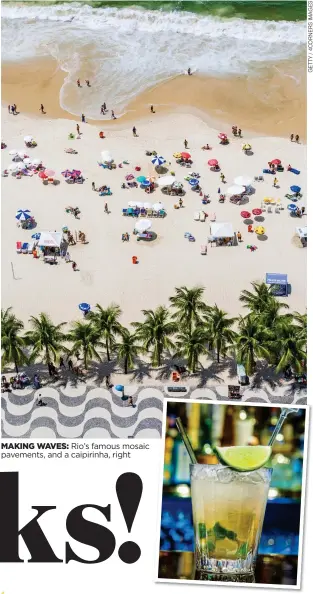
[86, 412]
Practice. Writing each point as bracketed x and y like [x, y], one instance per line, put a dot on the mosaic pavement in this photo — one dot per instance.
[85, 411]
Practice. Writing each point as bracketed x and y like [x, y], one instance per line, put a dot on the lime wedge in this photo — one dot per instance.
[244, 458]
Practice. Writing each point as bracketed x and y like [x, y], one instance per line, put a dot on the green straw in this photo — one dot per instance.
[186, 441]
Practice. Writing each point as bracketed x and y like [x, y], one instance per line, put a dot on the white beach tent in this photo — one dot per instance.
[106, 157]
[234, 190]
[50, 239]
[242, 180]
[301, 232]
[167, 180]
[221, 230]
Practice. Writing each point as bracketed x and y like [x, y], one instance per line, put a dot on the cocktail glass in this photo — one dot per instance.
[228, 511]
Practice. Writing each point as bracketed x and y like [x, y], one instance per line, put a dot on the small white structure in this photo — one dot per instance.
[302, 234]
[106, 157]
[222, 230]
[50, 239]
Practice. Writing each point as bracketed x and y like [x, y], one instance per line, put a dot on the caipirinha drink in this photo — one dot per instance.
[228, 508]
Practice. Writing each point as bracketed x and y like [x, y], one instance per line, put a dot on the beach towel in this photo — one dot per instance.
[268, 171]
[296, 171]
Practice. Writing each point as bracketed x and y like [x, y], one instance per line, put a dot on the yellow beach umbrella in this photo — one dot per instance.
[176, 155]
[259, 230]
[269, 200]
[246, 147]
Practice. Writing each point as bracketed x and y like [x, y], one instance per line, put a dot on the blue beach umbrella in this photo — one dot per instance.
[23, 215]
[145, 183]
[295, 189]
[158, 160]
[193, 181]
[85, 307]
[292, 207]
[36, 236]
[119, 388]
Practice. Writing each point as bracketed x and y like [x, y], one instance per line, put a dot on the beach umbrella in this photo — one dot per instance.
[140, 179]
[129, 176]
[66, 173]
[158, 206]
[242, 180]
[246, 147]
[276, 162]
[12, 167]
[177, 185]
[213, 162]
[23, 215]
[292, 207]
[145, 183]
[36, 236]
[28, 138]
[22, 154]
[119, 388]
[37, 161]
[42, 175]
[259, 230]
[245, 214]
[132, 204]
[257, 212]
[193, 181]
[269, 200]
[13, 152]
[167, 180]
[85, 307]
[147, 205]
[158, 160]
[143, 225]
[295, 189]
[20, 166]
[233, 190]
[222, 136]
[27, 161]
[49, 172]
[185, 155]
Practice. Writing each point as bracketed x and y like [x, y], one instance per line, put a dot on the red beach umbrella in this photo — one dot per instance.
[222, 136]
[49, 172]
[42, 175]
[213, 162]
[257, 211]
[185, 155]
[245, 214]
[276, 162]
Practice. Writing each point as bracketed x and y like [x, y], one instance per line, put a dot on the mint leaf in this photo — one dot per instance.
[242, 551]
[202, 530]
[211, 546]
[219, 532]
[231, 535]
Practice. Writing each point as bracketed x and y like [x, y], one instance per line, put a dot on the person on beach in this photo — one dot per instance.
[113, 115]
[83, 118]
[180, 202]
[104, 105]
[239, 132]
[239, 236]
[42, 109]
[61, 363]
[70, 364]
[93, 186]
[131, 401]
[87, 83]
[67, 257]
[106, 208]
[152, 109]
[222, 176]
[291, 137]
[77, 129]
[101, 110]
[189, 71]
[134, 131]
[234, 130]
[297, 138]
[78, 82]
[186, 143]
[302, 210]
[9, 108]
[74, 266]
[275, 182]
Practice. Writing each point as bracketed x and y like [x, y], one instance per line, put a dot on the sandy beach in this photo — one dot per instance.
[106, 273]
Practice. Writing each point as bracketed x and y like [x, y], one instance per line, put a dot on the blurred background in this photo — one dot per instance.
[208, 425]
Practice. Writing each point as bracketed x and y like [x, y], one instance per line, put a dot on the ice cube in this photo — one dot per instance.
[225, 475]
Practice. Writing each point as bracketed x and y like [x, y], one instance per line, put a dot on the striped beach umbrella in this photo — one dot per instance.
[23, 215]
[158, 160]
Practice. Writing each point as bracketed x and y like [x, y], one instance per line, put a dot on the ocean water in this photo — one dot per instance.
[126, 47]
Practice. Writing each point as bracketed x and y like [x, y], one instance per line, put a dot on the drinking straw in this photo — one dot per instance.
[186, 441]
[283, 415]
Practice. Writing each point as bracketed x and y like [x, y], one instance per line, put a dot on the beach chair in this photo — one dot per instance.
[124, 212]
[196, 216]
[149, 212]
[18, 247]
[261, 178]
[25, 248]
[256, 178]
[277, 209]
[212, 216]
[191, 238]
[162, 214]
[204, 250]
[143, 212]
[136, 212]
[263, 207]
[269, 208]
[202, 217]
[187, 234]
[31, 247]
[130, 212]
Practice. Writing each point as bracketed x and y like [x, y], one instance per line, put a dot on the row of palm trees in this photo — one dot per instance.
[188, 330]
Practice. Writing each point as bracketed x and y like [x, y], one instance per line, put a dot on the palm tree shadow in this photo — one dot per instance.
[98, 371]
[213, 372]
[142, 369]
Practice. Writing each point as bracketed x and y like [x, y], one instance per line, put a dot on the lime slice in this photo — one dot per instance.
[244, 458]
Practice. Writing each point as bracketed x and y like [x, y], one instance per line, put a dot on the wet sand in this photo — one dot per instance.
[270, 103]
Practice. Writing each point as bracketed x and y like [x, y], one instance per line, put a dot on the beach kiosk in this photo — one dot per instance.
[49, 242]
[222, 234]
[279, 282]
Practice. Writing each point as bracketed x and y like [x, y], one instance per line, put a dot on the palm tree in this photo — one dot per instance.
[127, 349]
[191, 344]
[155, 332]
[260, 299]
[45, 338]
[189, 305]
[220, 333]
[106, 322]
[271, 314]
[12, 344]
[85, 339]
[252, 342]
[289, 347]
[301, 327]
